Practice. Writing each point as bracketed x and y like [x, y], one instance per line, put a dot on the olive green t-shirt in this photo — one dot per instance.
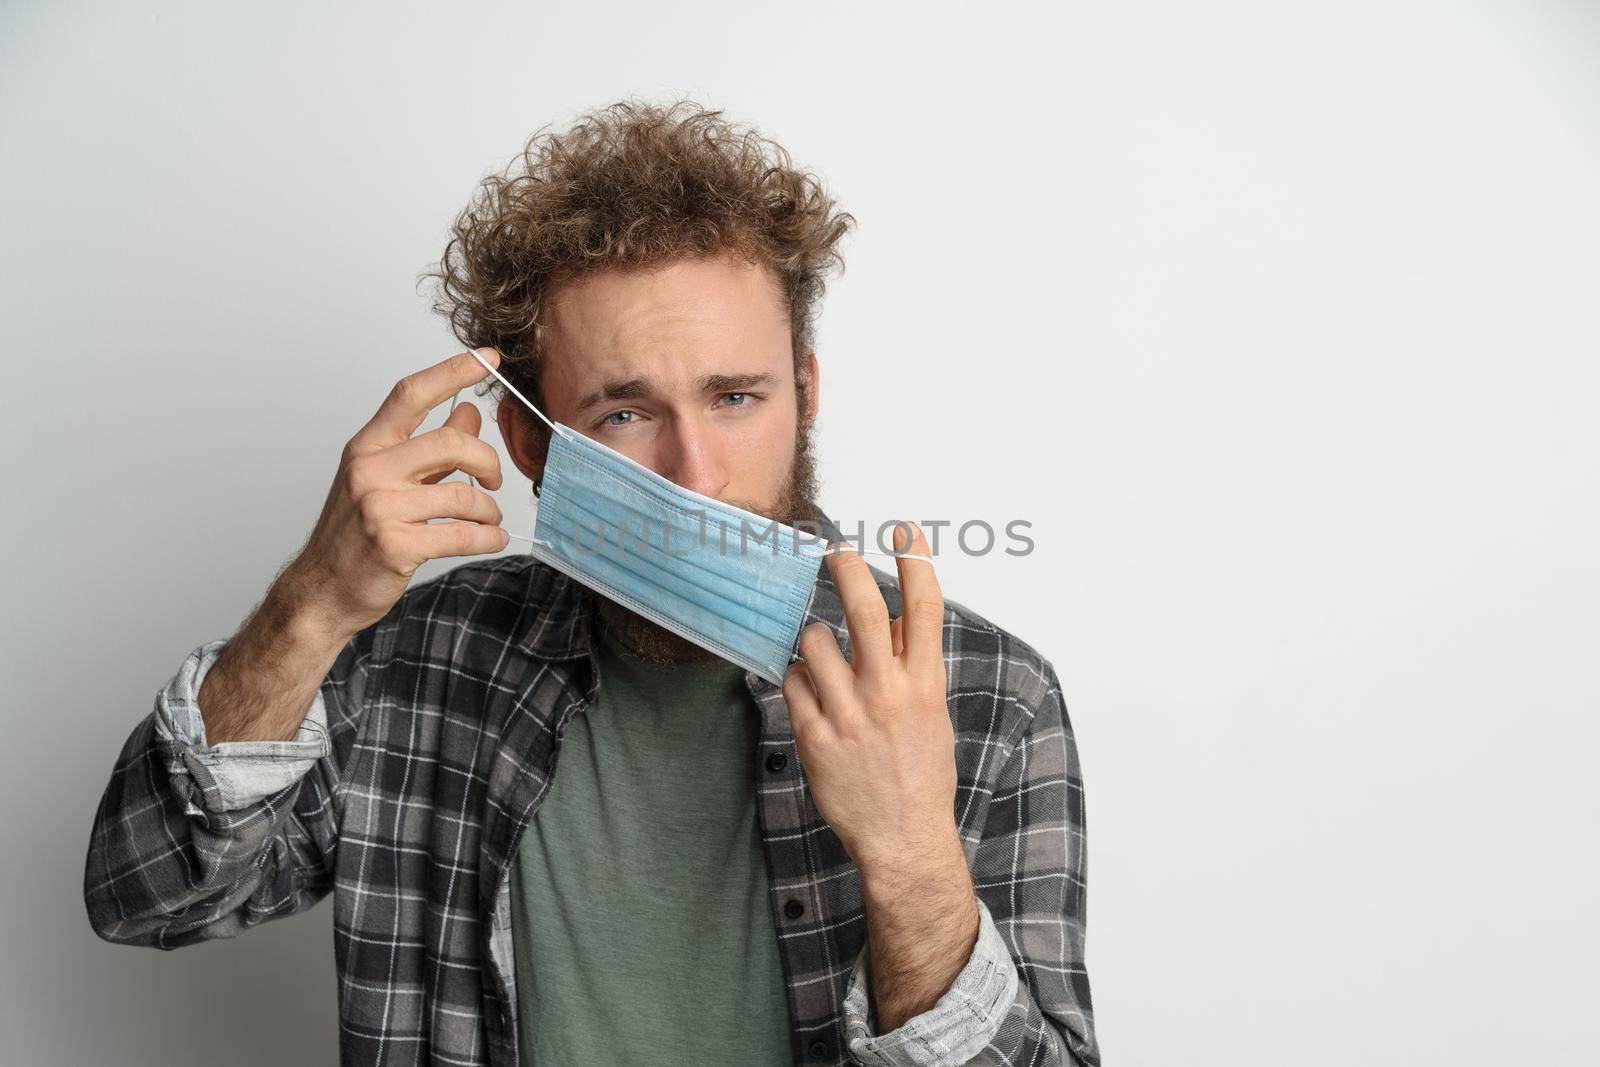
[640, 919]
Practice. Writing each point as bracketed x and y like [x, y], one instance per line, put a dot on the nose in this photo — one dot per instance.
[690, 457]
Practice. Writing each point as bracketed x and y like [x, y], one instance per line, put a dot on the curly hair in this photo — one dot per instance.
[631, 186]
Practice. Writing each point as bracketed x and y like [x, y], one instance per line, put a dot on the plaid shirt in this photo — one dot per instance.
[428, 749]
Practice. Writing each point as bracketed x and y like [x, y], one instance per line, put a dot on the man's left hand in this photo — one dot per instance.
[874, 733]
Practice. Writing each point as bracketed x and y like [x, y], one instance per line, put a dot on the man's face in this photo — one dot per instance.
[688, 370]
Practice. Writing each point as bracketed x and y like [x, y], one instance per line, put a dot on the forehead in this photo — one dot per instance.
[690, 316]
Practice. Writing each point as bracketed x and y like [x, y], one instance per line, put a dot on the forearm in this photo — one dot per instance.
[922, 923]
[929, 988]
[264, 680]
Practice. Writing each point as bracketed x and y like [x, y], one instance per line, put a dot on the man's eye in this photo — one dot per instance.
[735, 399]
[618, 418]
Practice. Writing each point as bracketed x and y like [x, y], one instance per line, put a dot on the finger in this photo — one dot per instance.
[413, 396]
[449, 500]
[805, 709]
[866, 615]
[466, 418]
[440, 452]
[830, 674]
[922, 601]
[459, 539]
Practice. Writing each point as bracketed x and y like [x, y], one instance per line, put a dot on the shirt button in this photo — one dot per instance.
[777, 762]
[818, 1049]
[794, 909]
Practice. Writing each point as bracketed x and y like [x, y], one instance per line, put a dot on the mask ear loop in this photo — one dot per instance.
[526, 403]
[554, 428]
[874, 552]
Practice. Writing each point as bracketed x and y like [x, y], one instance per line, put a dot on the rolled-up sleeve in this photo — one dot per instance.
[959, 1025]
[194, 841]
[234, 774]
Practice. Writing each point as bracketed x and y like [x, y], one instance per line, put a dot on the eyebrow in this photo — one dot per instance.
[639, 388]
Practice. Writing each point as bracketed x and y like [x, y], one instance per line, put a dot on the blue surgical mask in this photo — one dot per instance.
[729, 580]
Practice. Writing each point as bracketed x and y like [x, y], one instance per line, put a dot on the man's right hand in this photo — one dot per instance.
[372, 536]
[374, 531]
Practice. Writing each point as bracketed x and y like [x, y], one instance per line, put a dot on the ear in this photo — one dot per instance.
[808, 385]
[526, 440]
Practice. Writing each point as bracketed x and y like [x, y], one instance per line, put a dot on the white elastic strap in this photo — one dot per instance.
[870, 552]
[513, 389]
[519, 396]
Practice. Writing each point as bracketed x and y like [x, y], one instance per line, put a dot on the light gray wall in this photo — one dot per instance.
[1277, 321]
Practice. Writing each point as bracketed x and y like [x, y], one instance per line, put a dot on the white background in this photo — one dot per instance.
[1278, 321]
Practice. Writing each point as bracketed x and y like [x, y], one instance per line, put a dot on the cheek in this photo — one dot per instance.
[763, 450]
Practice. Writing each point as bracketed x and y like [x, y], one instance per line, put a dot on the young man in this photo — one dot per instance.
[880, 861]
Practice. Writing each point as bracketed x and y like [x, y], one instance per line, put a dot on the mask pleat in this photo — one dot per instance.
[758, 592]
[757, 611]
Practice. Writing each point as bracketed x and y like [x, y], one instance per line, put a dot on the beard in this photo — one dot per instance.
[794, 504]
